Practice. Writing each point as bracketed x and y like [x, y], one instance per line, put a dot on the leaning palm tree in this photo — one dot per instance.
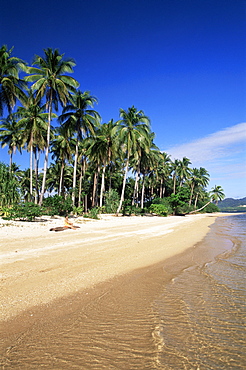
[79, 119]
[216, 194]
[50, 79]
[10, 136]
[11, 86]
[131, 128]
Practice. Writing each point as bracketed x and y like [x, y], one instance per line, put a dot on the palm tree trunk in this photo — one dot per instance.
[142, 195]
[197, 210]
[191, 193]
[135, 187]
[36, 162]
[80, 183]
[75, 172]
[46, 158]
[31, 177]
[102, 185]
[123, 187]
[61, 178]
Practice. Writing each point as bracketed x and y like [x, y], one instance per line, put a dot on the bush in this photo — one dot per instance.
[93, 213]
[25, 212]
[165, 202]
[158, 209]
[78, 210]
[57, 205]
[111, 201]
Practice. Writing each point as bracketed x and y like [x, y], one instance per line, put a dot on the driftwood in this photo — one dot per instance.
[61, 228]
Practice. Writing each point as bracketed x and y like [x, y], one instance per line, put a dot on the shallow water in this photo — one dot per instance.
[202, 310]
[185, 313]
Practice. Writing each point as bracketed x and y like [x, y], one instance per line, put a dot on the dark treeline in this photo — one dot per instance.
[90, 161]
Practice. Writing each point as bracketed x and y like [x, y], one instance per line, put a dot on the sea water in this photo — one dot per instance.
[184, 314]
[202, 311]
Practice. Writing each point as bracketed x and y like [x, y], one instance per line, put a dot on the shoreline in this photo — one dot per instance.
[44, 266]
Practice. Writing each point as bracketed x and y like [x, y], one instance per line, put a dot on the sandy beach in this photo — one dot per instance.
[39, 266]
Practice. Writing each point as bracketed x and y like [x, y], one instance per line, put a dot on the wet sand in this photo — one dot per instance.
[48, 277]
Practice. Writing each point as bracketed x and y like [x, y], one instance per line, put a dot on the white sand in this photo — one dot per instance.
[38, 265]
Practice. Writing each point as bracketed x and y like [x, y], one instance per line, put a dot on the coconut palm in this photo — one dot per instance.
[33, 125]
[163, 171]
[132, 128]
[10, 136]
[79, 119]
[62, 148]
[102, 148]
[197, 177]
[50, 79]
[11, 86]
[183, 170]
[216, 194]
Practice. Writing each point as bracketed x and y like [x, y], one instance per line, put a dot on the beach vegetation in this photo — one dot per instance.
[23, 212]
[89, 167]
[57, 205]
[158, 209]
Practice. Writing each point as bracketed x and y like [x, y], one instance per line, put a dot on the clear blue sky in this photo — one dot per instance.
[182, 62]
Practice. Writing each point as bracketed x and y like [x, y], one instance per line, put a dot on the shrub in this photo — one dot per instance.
[93, 213]
[25, 211]
[111, 201]
[57, 205]
[158, 209]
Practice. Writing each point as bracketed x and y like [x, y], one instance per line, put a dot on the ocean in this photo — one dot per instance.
[202, 311]
[186, 313]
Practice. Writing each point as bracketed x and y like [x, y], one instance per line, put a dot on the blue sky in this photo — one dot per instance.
[181, 62]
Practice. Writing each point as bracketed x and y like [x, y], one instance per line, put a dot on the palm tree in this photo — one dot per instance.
[175, 168]
[163, 171]
[82, 121]
[33, 123]
[132, 127]
[103, 147]
[62, 147]
[50, 79]
[11, 86]
[197, 177]
[10, 136]
[216, 194]
[183, 170]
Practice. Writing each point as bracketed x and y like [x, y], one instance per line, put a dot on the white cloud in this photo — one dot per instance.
[213, 146]
[223, 154]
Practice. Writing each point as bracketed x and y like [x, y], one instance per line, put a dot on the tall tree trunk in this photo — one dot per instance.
[36, 162]
[75, 172]
[31, 173]
[80, 183]
[135, 192]
[102, 185]
[142, 195]
[123, 187]
[191, 193]
[61, 178]
[161, 188]
[46, 158]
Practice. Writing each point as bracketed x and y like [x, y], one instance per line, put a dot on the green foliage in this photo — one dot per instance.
[57, 205]
[165, 202]
[78, 210]
[210, 208]
[25, 212]
[9, 187]
[111, 201]
[158, 209]
[93, 213]
[180, 202]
